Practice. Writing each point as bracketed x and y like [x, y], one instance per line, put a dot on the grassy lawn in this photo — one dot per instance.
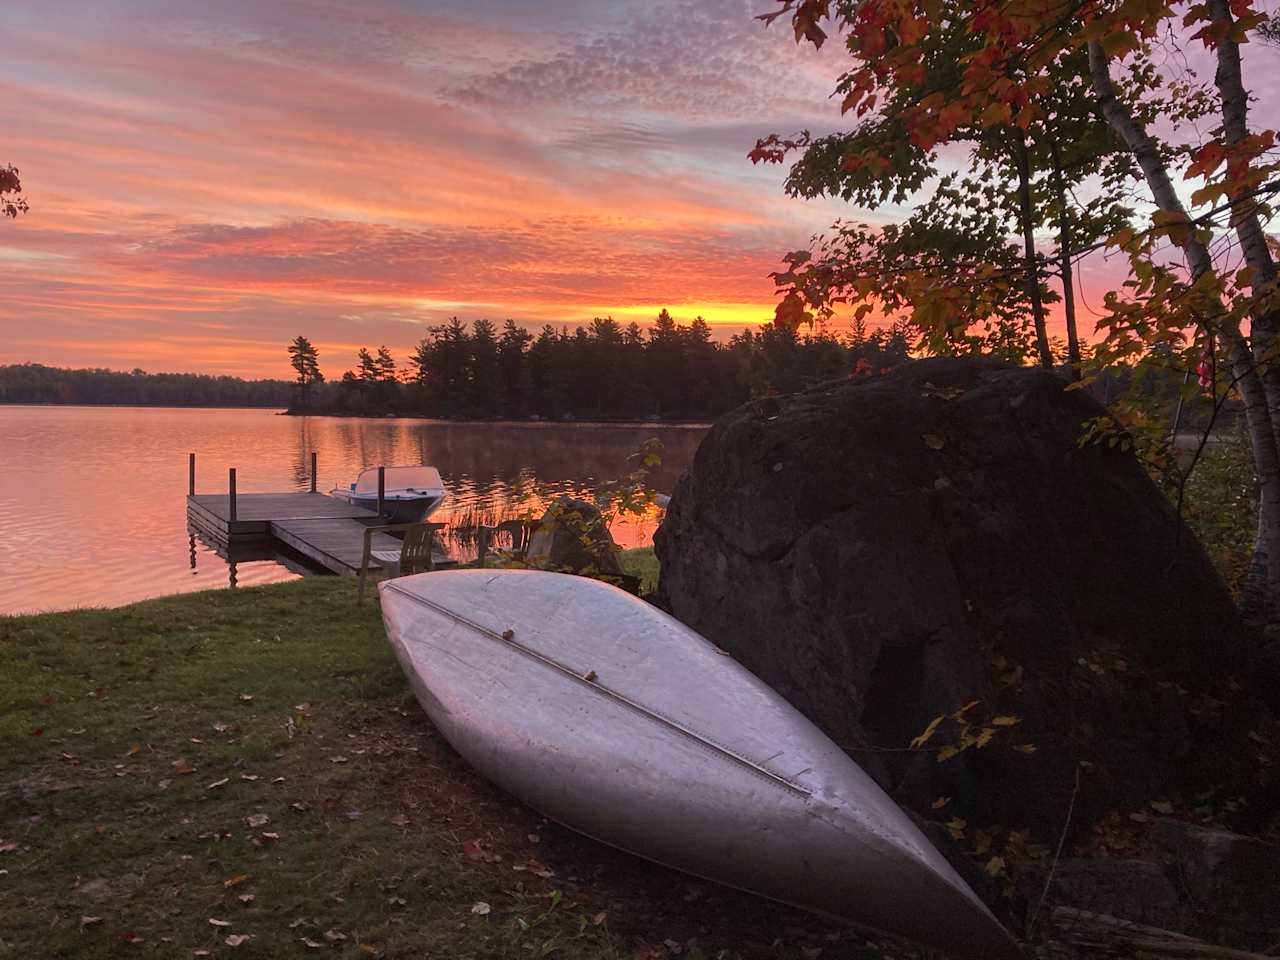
[244, 772]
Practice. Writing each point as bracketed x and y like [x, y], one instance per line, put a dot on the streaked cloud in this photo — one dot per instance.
[209, 180]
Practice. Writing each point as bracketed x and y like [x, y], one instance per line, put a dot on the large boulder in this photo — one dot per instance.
[886, 551]
[573, 537]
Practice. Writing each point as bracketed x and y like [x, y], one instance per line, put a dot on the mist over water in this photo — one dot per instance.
[93, 499]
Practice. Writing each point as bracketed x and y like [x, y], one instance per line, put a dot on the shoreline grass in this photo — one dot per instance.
[244, 772]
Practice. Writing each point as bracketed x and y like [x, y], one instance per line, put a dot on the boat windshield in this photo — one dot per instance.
[400, 478]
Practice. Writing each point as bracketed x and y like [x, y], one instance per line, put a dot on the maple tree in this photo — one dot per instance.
[1061, 84]
[12, 202]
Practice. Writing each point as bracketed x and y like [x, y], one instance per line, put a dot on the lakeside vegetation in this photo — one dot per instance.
[603, 371]
[39, 384]
[249, 767]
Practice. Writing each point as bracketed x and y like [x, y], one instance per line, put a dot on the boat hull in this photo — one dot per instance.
[396, 508]
[616, 720]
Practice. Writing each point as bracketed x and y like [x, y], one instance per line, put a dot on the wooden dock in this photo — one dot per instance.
[328, 532]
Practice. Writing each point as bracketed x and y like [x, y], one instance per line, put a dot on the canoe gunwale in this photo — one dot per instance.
[708, 743]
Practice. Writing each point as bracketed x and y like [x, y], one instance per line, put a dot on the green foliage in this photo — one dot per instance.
[1221, 507]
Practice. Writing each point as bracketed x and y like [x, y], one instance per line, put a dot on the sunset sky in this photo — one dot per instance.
[209, 180]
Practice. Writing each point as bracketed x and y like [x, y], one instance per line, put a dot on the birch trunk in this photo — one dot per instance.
[1261, 601]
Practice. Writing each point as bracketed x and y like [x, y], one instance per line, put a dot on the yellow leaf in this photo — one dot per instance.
[941, 802]
[929, 731]
[946, 753]
[1004, 721]
[1027, 748]
[995, 866]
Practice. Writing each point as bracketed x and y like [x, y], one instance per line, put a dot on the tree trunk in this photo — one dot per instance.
[1265, 323]
[1261, 601]
[1029, 248]
[1065, 249]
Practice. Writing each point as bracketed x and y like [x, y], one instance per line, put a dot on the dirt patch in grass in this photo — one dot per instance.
[245, 773]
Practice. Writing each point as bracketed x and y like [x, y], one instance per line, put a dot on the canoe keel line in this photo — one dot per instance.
[614, 719]
[508, 638]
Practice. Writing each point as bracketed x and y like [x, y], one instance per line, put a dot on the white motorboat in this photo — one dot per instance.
[410, 494]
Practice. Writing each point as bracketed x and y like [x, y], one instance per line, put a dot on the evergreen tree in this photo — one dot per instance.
[305, 360]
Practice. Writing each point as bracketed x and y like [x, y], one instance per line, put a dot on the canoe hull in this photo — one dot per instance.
[619, 722]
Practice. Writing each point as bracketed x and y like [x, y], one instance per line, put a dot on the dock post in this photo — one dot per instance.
[382, 488]
[231, 483]
[191, 474]
[313, 471]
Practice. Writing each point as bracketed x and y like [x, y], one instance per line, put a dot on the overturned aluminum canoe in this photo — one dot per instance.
[618, 721]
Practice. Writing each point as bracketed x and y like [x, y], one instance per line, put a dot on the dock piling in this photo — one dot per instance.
[191, 474]
[313, 471]
[231, 485]
[382, 489]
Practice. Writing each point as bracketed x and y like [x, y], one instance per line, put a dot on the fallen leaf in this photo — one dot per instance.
[249, 777]
[256, 820]
[471, 849]
[238, 938]
[1004, 721]
[994, 866]
[218, 783]
[90, 921]
[297, 923]
[400, 820]
[310, 944]
[134, 750]
[481, 908]
[589, 676]
[1162, 806]
[933, 441]
[246, 697]
[235, 881]
[131, 937]
[246, 898]
[337, 759]
[335, 936]
[214, 921]
[599, 918]
[8, 846]
[941, 802]
[181, 767]
[301, 806]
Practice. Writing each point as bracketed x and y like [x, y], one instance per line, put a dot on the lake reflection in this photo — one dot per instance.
[92, 499]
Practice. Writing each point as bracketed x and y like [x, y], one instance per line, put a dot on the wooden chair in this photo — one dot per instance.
[414, 554]
[520, 531]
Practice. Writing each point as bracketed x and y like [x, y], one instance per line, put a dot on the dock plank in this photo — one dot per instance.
[327, 531]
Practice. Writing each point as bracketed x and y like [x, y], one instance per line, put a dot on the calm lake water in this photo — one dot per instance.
[93, 499]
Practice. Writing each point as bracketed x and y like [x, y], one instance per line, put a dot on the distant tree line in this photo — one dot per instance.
[36, 383]
[603, 371]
